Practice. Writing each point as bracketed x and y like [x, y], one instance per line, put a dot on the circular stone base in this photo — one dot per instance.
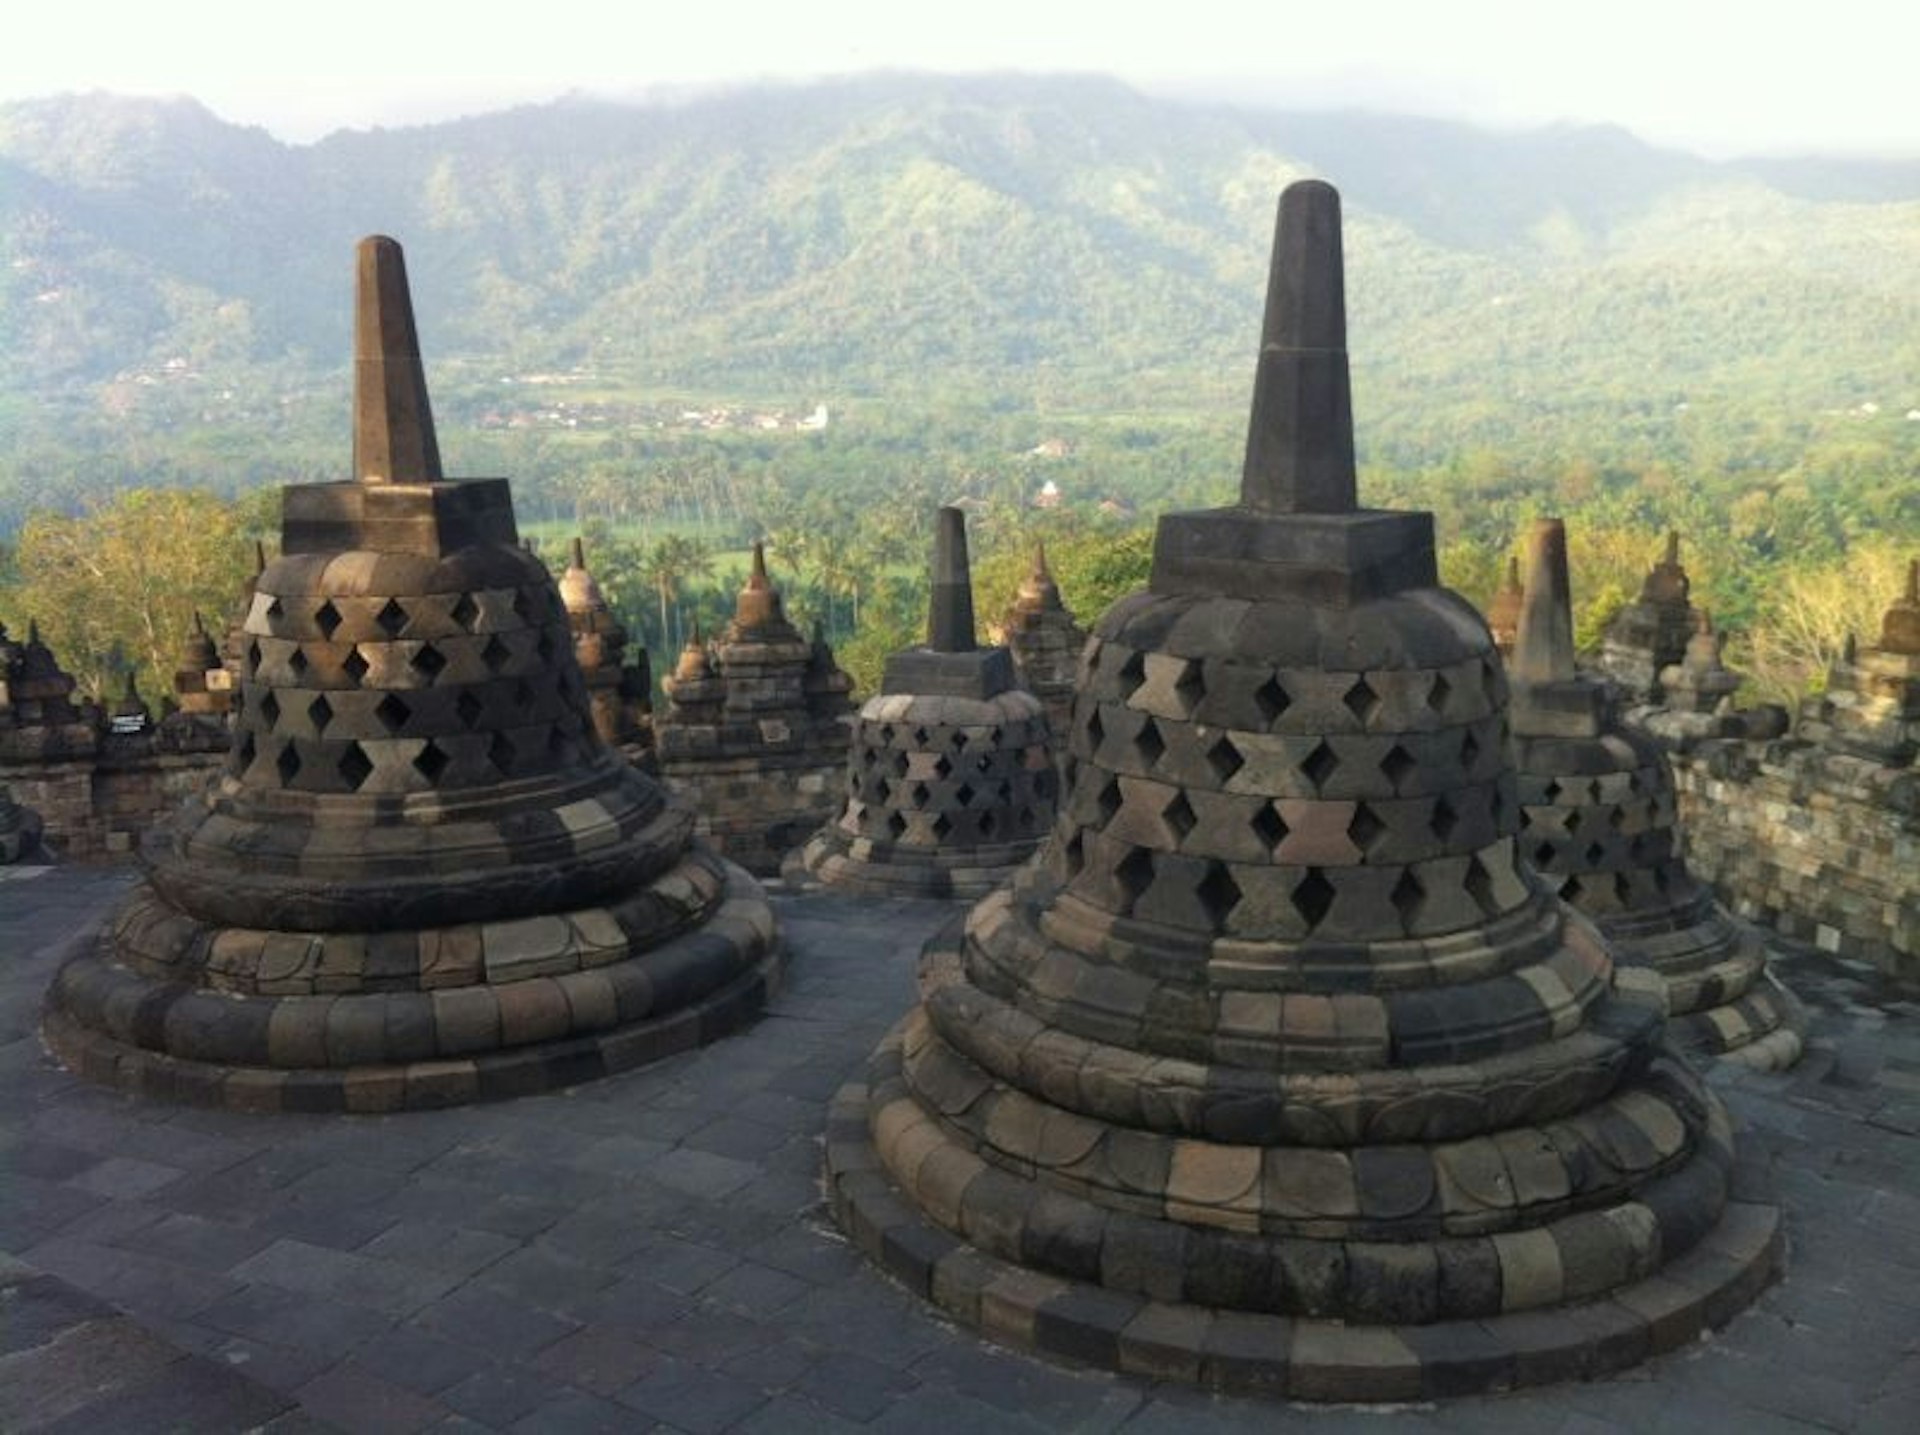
[727, 968]
[1764, 1028]
[1297, 1358]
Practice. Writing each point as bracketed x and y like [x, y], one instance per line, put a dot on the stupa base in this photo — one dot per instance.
[832, 859]
[1764, 1028]
[1289, 1356]
[121, 1028]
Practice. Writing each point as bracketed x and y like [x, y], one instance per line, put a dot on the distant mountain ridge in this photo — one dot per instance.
[913, 234]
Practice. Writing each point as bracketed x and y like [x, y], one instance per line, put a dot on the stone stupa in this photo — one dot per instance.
[950, 784]
[1276, 1071]
[1871, 708]
[1651, 633]
[422, 878]
[1601, 824]
[1503, 613]
[1045, 642]
[619, 678]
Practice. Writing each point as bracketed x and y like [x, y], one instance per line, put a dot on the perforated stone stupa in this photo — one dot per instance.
[755, 732]
[422, 878]
[1275, 1070]
[1601, 824]
[1045, 642]
[1871, 708]
[950, 785]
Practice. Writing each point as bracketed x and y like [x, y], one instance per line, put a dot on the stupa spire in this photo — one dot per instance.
[393, 438]
[1543, 646]
[577, 554]
[1300, 436]
[950, 614]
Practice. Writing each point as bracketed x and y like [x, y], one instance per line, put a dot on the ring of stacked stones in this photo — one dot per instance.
[945, 796]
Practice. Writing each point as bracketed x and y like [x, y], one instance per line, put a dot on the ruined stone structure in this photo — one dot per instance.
[421, 879]
[1045, 642]
[94, 787]
[755, 732]
[619, 683]
[1819, 834]
[1503, 613]
[1651, 634]
[1276, 1070]
[950, 785]
[1600, 823]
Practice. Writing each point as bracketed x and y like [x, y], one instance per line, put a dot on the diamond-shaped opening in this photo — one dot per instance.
[502, 753]
[1398, 765]
[1133, 672]
[320, 713]
[1110, 799]
[964, 794]
[1004, 792]
[1269, 826]
[1135, 874]
[243, 752]
[393, 713]
[987, 823]
[868, 757]
[896, 825]
[1148, 743]
[1191, 687]
[1361, 700]
[1320, 764]
[1576, 819]
[524, 696]
[1469, 751]
[1596, 791]
[274, 608]
[465, 612]
[355, 666]
[326, 618]
[1272, 700]
[1633, 783]
[1571, 891]
[431, 761]
[543, 647]
[253, 657]
[982, 762]
[1365, 828]
[959, 740]
[900, 763]
[1444, 820]
[1224, 760]
[1406, 896]
[496, 654]
[1219, 894]
[1543, 856]
[287, 765]
[886, 735]
[920, 737]
[942, 825]
[522, 605]
[468, 708]
[1075, 855]
[297, 663]
[1479, 885]
[1551, 792]
[1662, 879]
[1439, 692]
[1179, 817]
[918, 795]
[355, 766]
[1596, 851]
[884, 791]
[1312, 897]
[941, 767]
[429, 662]
[1622, 888]
[391, 618]
[270, 709]
[1616, 817]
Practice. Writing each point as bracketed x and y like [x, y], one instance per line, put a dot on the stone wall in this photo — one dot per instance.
[1821, 846]
[756, 807]
[99, 807]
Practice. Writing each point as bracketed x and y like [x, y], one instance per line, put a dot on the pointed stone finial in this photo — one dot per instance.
[950, 614]
[1900, 630]
[199, 625]
[577, 554]
[259, 557]
[1850, 650]
[1543, 647]
[1041, 572]
[1673, 548]
[33, 632]
[393, 438]
[758, 577]
[1513, 573]
[1300, 436]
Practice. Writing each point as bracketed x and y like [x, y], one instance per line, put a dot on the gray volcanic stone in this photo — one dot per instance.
[419, 839]
[1276, 1031]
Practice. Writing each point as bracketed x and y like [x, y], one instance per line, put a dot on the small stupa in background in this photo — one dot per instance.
[1651, 633]
[1045, 642]
[619, 679]
[949, 782]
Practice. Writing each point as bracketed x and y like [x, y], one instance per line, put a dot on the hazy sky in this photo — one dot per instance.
[1720, 76]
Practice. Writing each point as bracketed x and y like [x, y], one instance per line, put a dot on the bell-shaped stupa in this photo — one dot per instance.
[1275, 1070]
[619, 678]
[1871, 708]
[1045, 642]
[422, 879]
[1601, 825]
[950, 785]
[1651, 633]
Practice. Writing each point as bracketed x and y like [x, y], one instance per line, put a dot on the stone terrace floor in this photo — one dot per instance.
[651, 1252]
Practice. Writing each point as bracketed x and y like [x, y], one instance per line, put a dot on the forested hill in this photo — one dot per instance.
[1053, 241]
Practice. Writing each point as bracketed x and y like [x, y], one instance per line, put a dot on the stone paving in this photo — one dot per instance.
[652, 1252]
